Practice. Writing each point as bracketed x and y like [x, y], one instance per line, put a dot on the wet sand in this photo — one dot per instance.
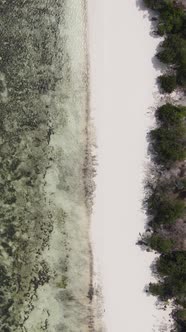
[46, 178]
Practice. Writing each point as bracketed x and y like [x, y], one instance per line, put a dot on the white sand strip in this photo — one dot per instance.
[122, 90]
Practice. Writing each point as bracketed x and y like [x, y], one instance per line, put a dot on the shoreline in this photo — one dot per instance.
[97, 297]
[165, 194]
[76, 295]
[47, 263]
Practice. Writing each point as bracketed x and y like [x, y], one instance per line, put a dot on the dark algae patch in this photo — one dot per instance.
[165, 199]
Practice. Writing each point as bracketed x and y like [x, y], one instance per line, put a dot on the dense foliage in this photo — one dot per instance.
[168, 144]
[172, 268]
[171, 25]
[171, 16]
[180, 317]
[170, 115]
[165, 200]
[165, 210]
[172, 50]
[167, 83]
[160, 243]
[168, 140]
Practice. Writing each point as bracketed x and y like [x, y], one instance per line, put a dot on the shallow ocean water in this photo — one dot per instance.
[47, 109]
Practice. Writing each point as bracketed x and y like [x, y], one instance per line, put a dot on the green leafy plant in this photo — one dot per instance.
[168, 83]
[169, 114]
[160, 244]
[168, 144]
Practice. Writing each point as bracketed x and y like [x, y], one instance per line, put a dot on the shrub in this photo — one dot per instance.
[170, 114]
[181, 68]
[172, 268]
[168, 211]
[172, 49]
[155, 4]
[171, 16]
[180, 317]
[171, 19]
[172, 265]
[181, 76]
[162, 290]
[160, 244]
[167, 83]
[168, 144]
[181, 314]
[165, 210]
[167, 56]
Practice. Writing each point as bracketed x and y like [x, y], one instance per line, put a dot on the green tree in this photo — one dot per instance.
[168, 83]
[168, 211]
[181, 76]
[157, 5]
[167, 56]
[160, 244]
[170, 114]
[168, 144]
[171, 19]
[181, 317]
[181, 314]
[165, 211]
[171, 267]
[173, 47]
[162, 290]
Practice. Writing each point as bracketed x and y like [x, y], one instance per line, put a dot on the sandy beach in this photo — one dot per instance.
[60, 71]
[123, 92]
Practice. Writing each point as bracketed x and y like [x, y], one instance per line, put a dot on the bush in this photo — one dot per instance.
[173, 52]
[172, 23]
[167, 83]
[162, 290]
[172, 268]
[167, 56]
[181, 76]
[173, 265]
[157, 5]
[172, 49]
[168, 144]
[180, 317]
[160, 244]
[171, 16]
[168, 211]
[165, 210]
[181, 68]
[171, 19]
[181, 314]
[170, 114]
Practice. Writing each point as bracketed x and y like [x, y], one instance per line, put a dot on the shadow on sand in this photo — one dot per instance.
[140, 5]
[153, 17]
[157, 64]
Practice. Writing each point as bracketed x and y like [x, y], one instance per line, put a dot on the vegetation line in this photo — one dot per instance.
[165, 199]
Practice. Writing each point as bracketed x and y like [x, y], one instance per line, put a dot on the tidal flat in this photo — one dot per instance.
[46, 168]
